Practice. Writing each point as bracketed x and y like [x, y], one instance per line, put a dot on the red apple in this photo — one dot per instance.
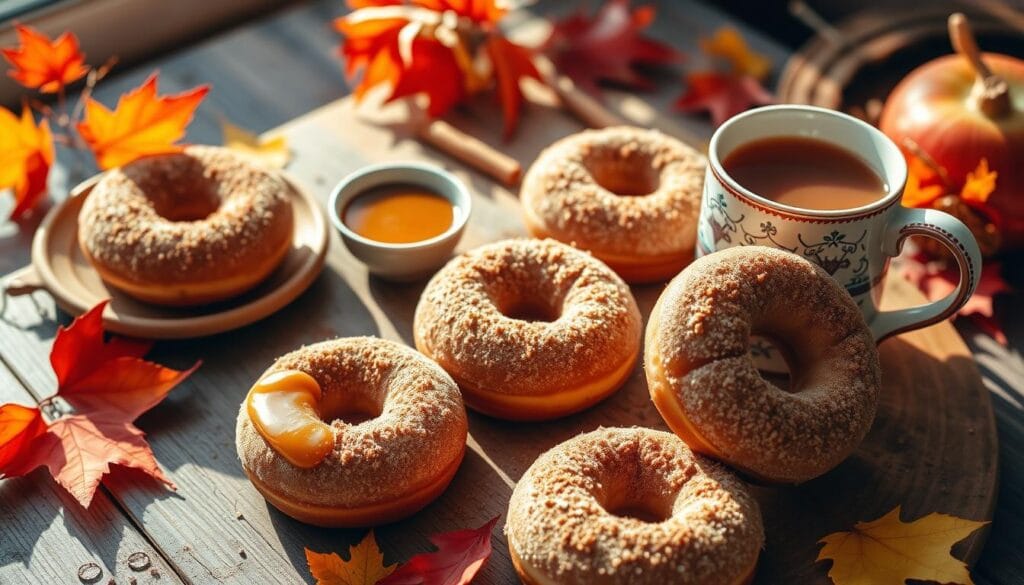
[961, 108]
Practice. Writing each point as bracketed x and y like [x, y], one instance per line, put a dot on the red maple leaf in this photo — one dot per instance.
[937, 279]
[458, 558]
[44, 64]
[109, 386]
[608, 46]
[723, 95]
[511, 64]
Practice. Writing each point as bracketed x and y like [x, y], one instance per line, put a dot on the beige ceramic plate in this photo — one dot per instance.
[59, 267]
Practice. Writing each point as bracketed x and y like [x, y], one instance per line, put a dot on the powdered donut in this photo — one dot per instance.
[302, 455]
[631, 506]
[707, 389]
[628, 195]
[530, 329]
[188, 228]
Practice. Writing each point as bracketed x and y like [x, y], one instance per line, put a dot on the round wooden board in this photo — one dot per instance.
[60, 267]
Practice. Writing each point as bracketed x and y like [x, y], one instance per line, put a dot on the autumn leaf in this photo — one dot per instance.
[980, 183]
[44, 64]
[511, 63]
[19, 425]
[365, 565]
[432, 70]
[458, 558]
[922, 187]
[273, 152]
[109, 386]
[26, 154]
[888, 550]
[729, 45]
[608, 47]
[723, 95]
[142, 124]
[937, 280]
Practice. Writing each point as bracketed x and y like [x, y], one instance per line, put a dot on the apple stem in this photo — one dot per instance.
[991, 93]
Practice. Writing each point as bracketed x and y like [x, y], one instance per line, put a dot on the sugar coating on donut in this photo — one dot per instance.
[461, 323]
[419, 433]
[697, 352]
[122, 223]
[561, 192]
[560, 526]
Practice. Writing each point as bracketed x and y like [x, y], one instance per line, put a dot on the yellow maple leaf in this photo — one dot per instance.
[365, 565]
[980, 183]
[888, 551]
[143, 123]
[729, 44]
[273, 152]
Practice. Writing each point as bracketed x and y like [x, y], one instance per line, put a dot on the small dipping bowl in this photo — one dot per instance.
[406, 261]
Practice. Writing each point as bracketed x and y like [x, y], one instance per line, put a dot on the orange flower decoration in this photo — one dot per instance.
[44, 64]
[26, 153]
[143, 124]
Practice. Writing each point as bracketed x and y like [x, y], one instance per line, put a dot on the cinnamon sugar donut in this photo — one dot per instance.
[708, 390]
[530, 329]
[628, 195]
[352, 432]
[187, 228]
[631, 506]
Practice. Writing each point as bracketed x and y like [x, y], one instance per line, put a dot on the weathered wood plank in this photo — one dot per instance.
[192, 433]
[45, 535]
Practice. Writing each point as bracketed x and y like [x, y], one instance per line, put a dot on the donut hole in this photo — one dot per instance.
[634, 491]
[531, 310]
[350, 408]
[624, 171]
[529, 295]
[180, 192]
[766, 351]
[651, 510]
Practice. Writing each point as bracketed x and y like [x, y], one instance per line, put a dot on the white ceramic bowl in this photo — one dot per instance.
[414, 260]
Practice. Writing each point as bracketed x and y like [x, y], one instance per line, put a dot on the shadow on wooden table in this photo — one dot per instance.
[923, 453]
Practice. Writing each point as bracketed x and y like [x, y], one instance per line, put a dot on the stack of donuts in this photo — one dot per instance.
[361, 431]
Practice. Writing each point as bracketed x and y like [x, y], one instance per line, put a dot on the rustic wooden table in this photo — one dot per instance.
[215, 528]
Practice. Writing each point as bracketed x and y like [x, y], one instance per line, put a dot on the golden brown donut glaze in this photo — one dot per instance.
[530, 329]
[572, 517]
[381, 469]
[708, 390]
[187, 228]
[628, 195]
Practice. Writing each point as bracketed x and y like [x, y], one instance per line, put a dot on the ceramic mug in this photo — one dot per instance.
[853, 245]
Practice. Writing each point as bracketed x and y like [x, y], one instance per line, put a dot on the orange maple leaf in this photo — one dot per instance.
[109, 386]
[19, 425]
[511, 64]
[365, 565]
[921, 188]
[729, 44]
[26, 153]
[980, 183]
[142, 124]
[479, 11]
[48, 65]
[433, 70]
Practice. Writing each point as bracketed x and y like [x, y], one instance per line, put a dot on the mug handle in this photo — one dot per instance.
[954, 235]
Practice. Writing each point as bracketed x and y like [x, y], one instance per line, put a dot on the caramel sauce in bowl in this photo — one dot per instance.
[403, 220]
